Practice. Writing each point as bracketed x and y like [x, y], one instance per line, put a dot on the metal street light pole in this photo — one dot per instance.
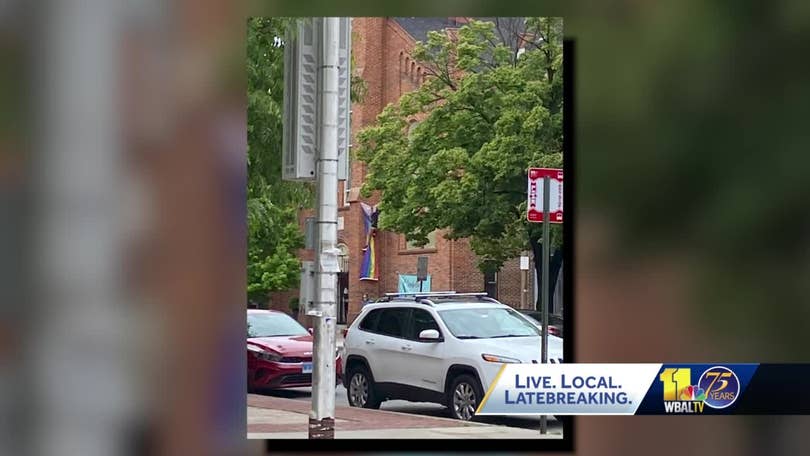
[545, 285]
[322, 415]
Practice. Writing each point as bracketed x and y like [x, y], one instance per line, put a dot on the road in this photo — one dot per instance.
[419, 408]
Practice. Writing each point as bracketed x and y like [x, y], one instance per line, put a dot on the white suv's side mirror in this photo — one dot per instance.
[429, 334]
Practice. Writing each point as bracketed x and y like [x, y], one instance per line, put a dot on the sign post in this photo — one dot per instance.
[551, 211]
[421, 270]
[544, 298]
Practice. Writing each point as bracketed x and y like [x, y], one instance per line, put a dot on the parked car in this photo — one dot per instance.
[279, 351]
[442, 348]
[554, 321]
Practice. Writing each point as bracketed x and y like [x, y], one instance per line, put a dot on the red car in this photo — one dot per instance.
[279, 351]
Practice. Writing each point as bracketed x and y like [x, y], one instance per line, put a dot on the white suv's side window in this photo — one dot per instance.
[369, 323]
[393, 322]
[420, 321]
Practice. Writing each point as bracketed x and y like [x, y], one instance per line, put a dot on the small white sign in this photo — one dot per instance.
[524, 263]
[329, 261]
[330, 265]
[340, 223]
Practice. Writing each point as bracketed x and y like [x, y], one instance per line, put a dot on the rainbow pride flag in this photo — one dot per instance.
[369, 269]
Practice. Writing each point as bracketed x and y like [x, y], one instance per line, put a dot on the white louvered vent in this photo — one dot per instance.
[302, 99]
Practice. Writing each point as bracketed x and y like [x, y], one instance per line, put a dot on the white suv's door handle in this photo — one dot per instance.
[407, 347]
[370, 342]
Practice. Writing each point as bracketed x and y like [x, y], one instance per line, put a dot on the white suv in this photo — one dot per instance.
[442, 348]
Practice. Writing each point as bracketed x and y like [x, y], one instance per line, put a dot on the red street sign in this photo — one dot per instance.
[555, 195]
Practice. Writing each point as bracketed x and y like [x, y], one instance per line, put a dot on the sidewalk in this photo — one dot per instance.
[281, 418]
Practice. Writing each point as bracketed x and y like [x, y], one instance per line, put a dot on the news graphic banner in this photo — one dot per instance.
[648, 389]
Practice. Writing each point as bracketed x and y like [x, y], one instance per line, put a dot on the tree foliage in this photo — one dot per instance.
[487, 111]
[273, 234]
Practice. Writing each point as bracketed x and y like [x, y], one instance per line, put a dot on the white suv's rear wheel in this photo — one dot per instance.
[361, 389]
[464, 396]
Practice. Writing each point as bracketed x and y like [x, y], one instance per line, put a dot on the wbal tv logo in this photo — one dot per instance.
[718, 387]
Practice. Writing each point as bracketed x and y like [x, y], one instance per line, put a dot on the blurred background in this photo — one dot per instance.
[122, 161]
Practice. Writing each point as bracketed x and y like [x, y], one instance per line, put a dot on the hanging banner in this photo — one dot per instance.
[369, 269]
[408, 283]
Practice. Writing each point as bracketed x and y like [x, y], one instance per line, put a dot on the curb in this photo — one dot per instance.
[455, 423]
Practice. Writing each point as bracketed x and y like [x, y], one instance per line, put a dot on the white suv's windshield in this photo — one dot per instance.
[487, 323]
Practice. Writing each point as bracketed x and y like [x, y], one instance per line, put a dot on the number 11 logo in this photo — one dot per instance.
[678, 387]
[675, 380]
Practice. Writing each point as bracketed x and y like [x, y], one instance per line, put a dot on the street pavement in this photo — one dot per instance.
[279, 413]
[272, 417]
[418, 408]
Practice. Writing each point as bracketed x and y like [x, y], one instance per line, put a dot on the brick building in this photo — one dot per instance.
[381, 48]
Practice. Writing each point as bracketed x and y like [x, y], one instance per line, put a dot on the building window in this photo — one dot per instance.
[491, 284]
[343, 257]
[431, 244]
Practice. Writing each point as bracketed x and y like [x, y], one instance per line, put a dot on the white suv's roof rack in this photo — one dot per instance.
[421, 293]
[425, 297]
[434, 293]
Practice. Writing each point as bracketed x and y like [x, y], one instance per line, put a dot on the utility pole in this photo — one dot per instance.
[77, 245]
[322, 415]
[544, 288]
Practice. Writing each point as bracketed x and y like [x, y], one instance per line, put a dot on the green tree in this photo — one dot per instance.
[488, 112]
[273, 233]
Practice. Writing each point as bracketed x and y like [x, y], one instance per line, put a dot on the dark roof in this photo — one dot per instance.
[418, 27]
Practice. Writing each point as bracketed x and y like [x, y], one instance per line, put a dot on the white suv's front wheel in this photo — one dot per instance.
[361, 389]
[464, 396]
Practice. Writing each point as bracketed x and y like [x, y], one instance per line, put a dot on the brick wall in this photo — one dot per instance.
[381, 53]
[280, 300]
[509, 283]
[380, 49]
[467, 278]
[398, 260]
